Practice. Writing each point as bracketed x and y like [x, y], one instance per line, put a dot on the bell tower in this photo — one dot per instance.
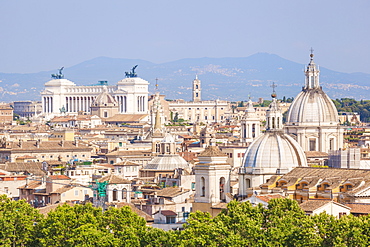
[251, 126]
[196, 89]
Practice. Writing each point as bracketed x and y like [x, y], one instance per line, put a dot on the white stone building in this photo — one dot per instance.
[198, 110]
[59, 94]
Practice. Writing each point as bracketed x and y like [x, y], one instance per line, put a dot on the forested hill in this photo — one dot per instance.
[351, 105]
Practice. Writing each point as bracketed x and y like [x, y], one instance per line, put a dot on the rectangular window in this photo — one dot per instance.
[312, 144]
[331, 144]
[76, 192]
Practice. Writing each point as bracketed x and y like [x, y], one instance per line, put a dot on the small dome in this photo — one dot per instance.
[104, 99]
[274, 152]
[250, 107]
[167, 162]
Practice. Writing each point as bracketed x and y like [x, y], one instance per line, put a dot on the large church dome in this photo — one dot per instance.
[312, 105]
[273, 152]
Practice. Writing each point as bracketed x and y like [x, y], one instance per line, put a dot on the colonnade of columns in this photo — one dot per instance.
[83, 103]
[140, 103]
[47, 104]
[79, 103]
[122, 102]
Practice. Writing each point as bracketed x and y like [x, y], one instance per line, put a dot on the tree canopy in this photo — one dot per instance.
[282, 223]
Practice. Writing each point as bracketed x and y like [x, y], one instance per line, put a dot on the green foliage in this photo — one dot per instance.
[350, 105]
[17, 220]
[282, 223]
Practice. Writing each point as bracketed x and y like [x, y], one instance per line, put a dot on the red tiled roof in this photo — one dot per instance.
[267, 198]
[59, 177]
[167, 213]
[359, 208]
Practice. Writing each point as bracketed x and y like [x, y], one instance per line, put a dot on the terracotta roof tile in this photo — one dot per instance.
[212, 151]
[113, 179]
[167, 213]
[359, 208]
[312, 205]
[59, 177]
[171, 192]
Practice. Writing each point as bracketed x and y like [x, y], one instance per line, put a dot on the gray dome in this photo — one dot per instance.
[104, 99]
[274, 152]
[312, 106]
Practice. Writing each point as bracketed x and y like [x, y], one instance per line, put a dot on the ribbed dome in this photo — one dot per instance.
[167, 162]
[104, 99]
[312, 106]
[274, 152]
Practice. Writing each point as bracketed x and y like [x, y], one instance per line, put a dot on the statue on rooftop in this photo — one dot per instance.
[132, 73]
[59, 75]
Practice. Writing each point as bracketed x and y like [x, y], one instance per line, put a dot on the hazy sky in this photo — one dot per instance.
[44, 35]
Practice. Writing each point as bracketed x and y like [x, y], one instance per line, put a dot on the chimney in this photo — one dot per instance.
[62, 143]
[20, 143]
[76, 143]
[38, 143]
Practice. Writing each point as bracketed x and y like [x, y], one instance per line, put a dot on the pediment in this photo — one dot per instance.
[363, 193]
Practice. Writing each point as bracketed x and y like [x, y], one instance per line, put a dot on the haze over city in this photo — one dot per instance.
[45, 35]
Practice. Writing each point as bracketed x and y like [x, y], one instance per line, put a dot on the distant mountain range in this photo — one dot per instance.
[223, 78]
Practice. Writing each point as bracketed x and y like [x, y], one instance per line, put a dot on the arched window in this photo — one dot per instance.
[115, 195]
[203, 187]
[247, 183]
[196, 86]
[222, 189]
[124, 194]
